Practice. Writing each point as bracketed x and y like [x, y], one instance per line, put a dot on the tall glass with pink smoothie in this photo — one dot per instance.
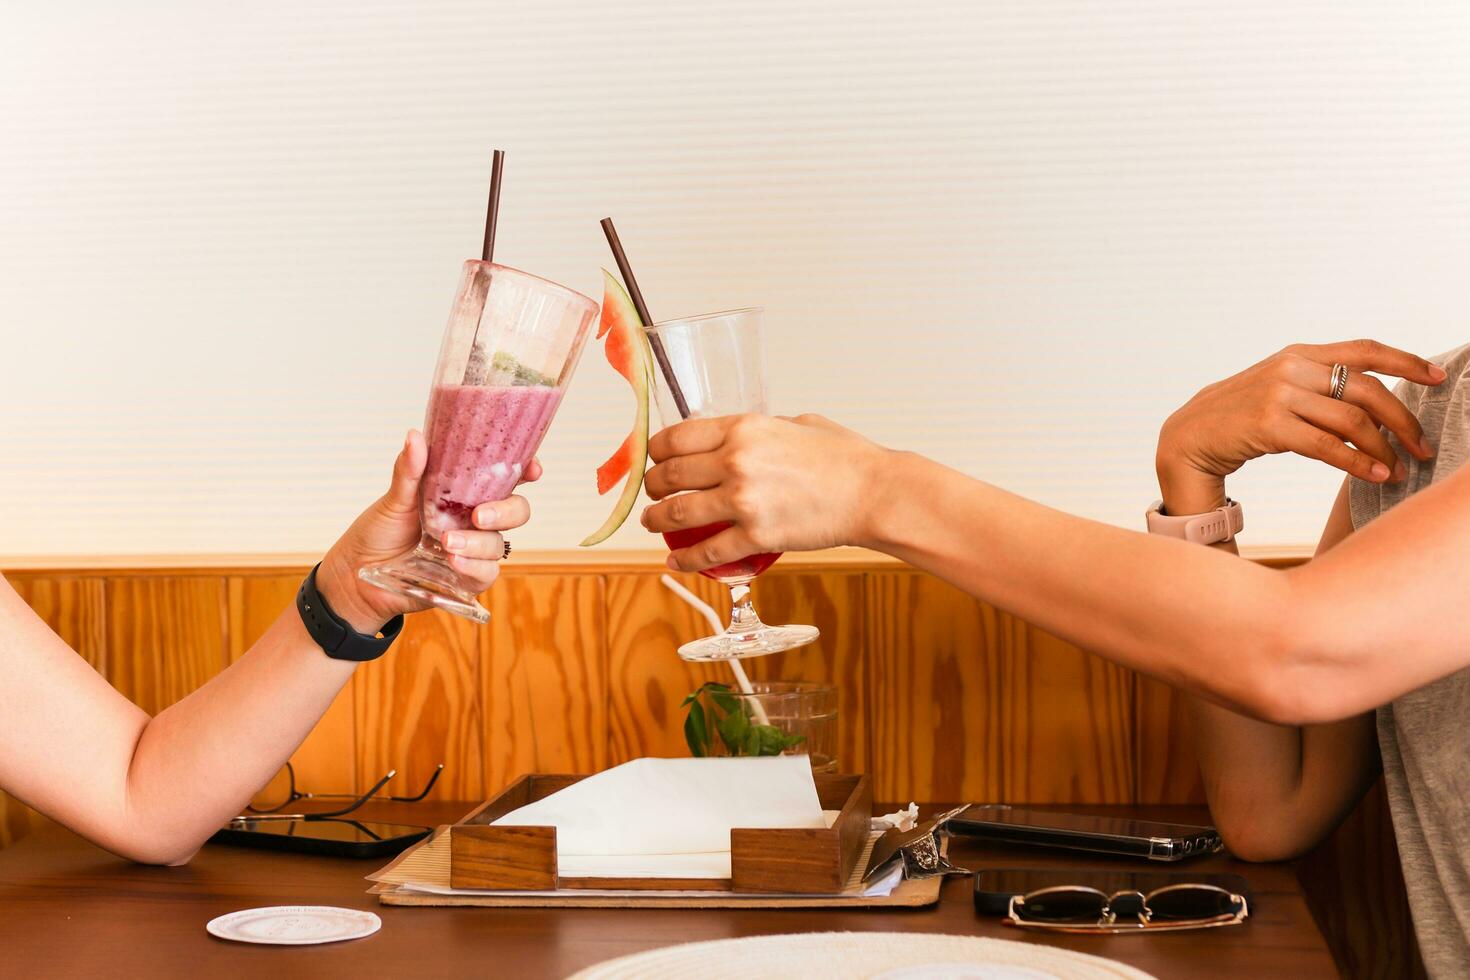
[510, 348]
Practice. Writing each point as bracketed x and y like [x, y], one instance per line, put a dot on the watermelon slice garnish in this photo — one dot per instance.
[627, 351]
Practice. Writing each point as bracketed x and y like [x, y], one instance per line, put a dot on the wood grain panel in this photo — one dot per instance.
[832, 602]
[934, 658]
[971, 704]
[327, 761]
[1167, 771]
[543, 691]
[75, 609]
[165, 636]
[646, 680]
[420, 706]
[1066, 721]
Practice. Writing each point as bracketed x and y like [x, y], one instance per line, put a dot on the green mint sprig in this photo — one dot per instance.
[727, 720]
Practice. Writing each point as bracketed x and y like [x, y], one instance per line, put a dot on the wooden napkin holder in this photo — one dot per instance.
[794, 861]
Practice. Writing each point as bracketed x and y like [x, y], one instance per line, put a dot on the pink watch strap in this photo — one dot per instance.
[1221, 524]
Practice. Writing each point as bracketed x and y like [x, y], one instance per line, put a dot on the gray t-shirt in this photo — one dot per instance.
[1424, 736]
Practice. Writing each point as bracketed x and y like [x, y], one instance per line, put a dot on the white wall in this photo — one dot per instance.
[1010, 235]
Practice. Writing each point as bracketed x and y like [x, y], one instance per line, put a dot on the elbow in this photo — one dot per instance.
[171, 858]
[1291, 678]
[167, 851]
[159, 856]
[1251, 840]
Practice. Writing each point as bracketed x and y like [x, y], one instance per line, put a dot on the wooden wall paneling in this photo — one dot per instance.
[543, 679]
[646, 680]
[1167, 771]
[420, 706]
[326, 761]
[75, 609]
[933, 664]
[1067, 733]
[971, 704]
[165, 636]
[1354, 886]
[832, 602]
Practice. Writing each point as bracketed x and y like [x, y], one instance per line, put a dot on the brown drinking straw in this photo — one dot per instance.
[492, 210]
[475, 366]
[636, 295]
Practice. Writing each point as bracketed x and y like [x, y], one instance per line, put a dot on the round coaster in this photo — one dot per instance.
[866, 955]
[294, 925]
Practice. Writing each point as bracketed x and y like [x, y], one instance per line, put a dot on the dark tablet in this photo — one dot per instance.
[1080, 832]
[335, 838]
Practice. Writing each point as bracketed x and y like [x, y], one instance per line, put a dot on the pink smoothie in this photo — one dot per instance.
[480, 440]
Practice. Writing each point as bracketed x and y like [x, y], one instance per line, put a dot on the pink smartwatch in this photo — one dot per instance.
[1220, 524]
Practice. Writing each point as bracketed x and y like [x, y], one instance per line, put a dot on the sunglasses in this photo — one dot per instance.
[1077, 908]
[281, 792]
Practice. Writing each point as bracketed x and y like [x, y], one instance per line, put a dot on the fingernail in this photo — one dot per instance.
[669, 561]
[1399, 471]
[1437, 373]
[454, 541]
[1379, 471]
[484, 516]
[643, 517]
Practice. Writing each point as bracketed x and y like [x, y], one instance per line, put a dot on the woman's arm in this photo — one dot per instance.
[1275, 791]
[155, 789]
[1315, 644]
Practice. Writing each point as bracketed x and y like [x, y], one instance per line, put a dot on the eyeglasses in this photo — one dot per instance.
[265, 806]
[1077, 908]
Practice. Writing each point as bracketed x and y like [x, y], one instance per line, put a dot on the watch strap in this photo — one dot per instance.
[1212, 527]
[335, 635]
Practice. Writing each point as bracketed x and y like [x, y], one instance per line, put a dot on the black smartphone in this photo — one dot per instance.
[333, 838]
[995, 887]
[1080, 832]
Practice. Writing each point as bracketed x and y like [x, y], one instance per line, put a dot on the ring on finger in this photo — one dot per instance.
[1337, 384]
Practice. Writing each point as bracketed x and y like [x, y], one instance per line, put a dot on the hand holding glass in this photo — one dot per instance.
[509, 350]
[718, 363]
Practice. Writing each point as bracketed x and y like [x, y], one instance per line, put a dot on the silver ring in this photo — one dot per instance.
[505, 552]
[1338, 384]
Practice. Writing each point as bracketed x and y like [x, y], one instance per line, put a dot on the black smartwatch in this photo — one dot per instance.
[333, 634]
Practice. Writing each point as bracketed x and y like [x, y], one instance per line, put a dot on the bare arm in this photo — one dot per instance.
[154, 789]
[151, 789]
[1304, 646]
[1313, 644]
[1306, 778]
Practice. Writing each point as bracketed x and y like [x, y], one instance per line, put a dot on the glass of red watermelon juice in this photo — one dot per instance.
[718, 362]
[509, 350]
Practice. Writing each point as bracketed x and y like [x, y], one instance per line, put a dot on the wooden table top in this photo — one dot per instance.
[69, 909]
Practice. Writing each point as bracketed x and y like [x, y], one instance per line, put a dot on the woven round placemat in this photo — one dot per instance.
[866, 955]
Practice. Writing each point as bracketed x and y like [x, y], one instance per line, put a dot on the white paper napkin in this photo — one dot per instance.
[671, 817]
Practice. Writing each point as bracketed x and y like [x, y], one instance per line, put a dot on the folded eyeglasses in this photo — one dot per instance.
[1077, 908]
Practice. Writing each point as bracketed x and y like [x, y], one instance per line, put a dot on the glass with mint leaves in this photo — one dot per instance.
[773, 718]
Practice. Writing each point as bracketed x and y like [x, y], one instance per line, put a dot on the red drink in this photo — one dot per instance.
[742, 570]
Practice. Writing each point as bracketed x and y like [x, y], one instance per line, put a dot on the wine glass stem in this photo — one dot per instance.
[743, 619]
